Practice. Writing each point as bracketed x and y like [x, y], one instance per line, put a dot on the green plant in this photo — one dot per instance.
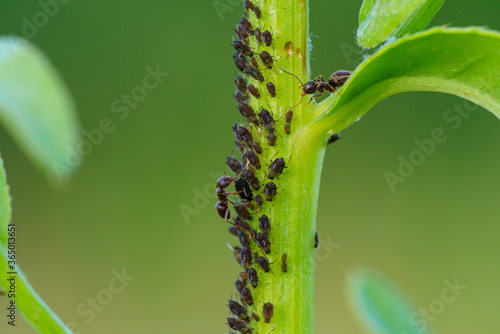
[38, 111]
[460, 61]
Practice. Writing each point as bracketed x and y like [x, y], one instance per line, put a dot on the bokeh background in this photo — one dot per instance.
[122, 208]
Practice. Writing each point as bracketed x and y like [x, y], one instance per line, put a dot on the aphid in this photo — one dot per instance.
[258, 13]
[263, 243]
[246, 25]
[234, 165]
[338, 79]
[244, 242]
[242, 34]
[254, 62]
[276, 168]
[267, 312]
[252, 179]
[240, 61]
[252, 277]
[240, 285]
[239, 145]
[289, 116]
[264, 225]
[246, 257]
[246, 295]
[240, 97]
[253, 159]
[247, 112]
[271, 89]
[241, 84]
[238, 310]
[254, 73]
[287, 129]
[258, 35]
[256, 147]
[237, 325]
[255, 317]
[316, 240]
[267, 38]
[254, 91]
[266, 59]
[244, 135]
[267, 120]
[243, 212]
[233, 230]
[258, 200]
[271, 139]
[248, 5]
[284, 266]
[237, 253]
[333, 138]
[270, 191]
[244, 276]
[263, 264]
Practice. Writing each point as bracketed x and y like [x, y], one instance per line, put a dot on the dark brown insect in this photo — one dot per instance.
[242, 34]
[237, 252]
[258, 35]
[240, 146]
[253, 159]
[289, 116]
[276, 168]
[245, 243]
[258, 200]
[243, 212]
[267, 37]
[264, 225]
[256, 147]
[271, 89]
[244, 275]
[333, 138]
[246, 257]
[263, 264]
[252, 179]
[316, 240]
[240, 285]
[255, 317]
[243, 134]
[271, 139]
[241, 84]
[246, 25]
[238, 325]
[254, 62]
[263, 243]
[267, 312]
[238, 310]
[240, 61]
[234, 231]
[234, 165]
[248, 5]
[254, 73]
[270, 191]
[222, 209]
[267, 120]
[225, 181]
[240, 97]
[252, 277]
[287, 129]
[258, 13]
[246, 296]
[266, 59]
[247, 112]
[284, 266]
[338, 79]
[254, 91]
[243, 189]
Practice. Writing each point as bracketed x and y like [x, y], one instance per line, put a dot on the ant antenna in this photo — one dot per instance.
[291, 74]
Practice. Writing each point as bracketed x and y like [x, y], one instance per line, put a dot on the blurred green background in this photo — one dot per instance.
[122, 208]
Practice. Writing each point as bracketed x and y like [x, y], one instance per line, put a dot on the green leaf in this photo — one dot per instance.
[32, 307]
[463, 62]
[381, 306]
[381, 19]
[35, 106]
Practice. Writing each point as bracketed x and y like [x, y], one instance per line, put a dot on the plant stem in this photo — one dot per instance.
[293, 212]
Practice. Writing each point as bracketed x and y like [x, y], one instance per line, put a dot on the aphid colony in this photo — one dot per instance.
[241, 197]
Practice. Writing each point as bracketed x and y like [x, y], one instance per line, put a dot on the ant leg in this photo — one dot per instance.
[315, 96]
[319, 78]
